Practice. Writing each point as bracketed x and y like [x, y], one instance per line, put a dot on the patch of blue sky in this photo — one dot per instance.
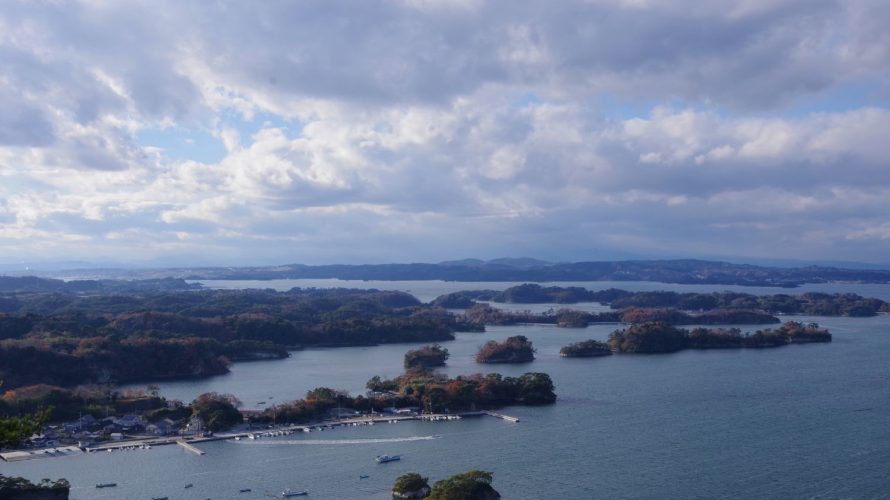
[843, 98]
[528, 99]
[184, 143]
[613, 107]
[610, 106]
[292, 128]
[199, 143]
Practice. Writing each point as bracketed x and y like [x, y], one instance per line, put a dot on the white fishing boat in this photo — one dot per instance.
[288, 493]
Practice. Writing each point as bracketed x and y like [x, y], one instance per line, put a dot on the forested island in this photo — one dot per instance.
[426, 357]
[810, 303]
[471, 485]
[421, 388]
[586, 349]
[516, 349]
[144, 331]
[661, 337]
[70, 339]
[476, 317]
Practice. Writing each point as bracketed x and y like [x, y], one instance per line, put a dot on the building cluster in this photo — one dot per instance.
[89, 430]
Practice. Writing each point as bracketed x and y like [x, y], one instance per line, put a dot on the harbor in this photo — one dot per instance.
[189, 442]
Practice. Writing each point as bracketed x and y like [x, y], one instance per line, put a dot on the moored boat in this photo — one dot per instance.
[288, 493]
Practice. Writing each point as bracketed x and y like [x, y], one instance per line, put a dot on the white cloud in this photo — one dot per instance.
[444, 128]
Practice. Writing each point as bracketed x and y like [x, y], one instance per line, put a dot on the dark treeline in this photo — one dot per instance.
[482, 314]
[811, 303]
[665, 271]
[12, 488]
[660, 337]
[69, 339]
[33, 284]
[424, 389]
[585, 349]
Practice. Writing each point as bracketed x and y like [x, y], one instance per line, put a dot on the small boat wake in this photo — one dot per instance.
[309, 442]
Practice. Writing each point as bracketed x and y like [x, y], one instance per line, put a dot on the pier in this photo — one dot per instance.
[190, 447]
[501, 416]
[19, 455]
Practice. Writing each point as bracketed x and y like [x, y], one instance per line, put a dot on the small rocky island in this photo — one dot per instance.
[586, 349]
[471, 485]
[517, 349]
[411, 485]
[426, 357]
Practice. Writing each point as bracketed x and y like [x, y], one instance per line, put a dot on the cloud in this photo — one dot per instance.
[423, 130]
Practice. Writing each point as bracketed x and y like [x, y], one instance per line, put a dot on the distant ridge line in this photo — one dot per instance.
[677, 271]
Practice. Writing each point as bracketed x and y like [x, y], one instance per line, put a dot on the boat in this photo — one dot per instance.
[288, 493]
[364, 477]
[159, 498]
[106, 485]
[189, 485]
[244, 490]
[382, 459]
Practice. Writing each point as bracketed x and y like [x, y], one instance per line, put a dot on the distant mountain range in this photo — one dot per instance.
[522, 269]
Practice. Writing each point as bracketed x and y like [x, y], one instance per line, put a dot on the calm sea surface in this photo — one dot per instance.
[802, 421]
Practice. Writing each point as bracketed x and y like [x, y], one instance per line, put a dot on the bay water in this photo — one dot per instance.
[801, 421]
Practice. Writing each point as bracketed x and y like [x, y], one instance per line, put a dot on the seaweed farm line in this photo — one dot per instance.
[188, 443]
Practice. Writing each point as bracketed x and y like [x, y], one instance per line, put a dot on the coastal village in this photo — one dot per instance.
[134, 431]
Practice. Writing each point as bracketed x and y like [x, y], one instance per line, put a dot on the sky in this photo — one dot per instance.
[194, 132]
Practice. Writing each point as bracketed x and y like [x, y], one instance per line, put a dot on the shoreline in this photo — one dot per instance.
[189, 442]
